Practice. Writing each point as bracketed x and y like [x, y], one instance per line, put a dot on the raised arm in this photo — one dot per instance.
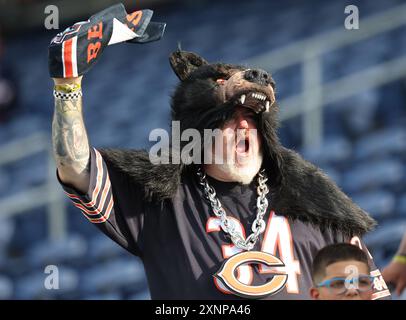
[71, 54]
[69, 139]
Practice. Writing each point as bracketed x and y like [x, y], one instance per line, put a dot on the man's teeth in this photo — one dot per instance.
[242, 99]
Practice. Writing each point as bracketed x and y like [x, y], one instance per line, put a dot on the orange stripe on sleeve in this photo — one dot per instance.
[97, 188]
[67, 58]
[103, 218]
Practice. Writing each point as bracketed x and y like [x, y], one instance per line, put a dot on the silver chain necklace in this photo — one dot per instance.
[227, 224]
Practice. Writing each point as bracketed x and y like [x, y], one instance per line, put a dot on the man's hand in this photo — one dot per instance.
[71, 54]
[395, 273]
[75, 50]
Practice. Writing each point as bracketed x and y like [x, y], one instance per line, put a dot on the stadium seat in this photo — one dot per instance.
[379, 203]
[25, 177]
[7, 229]
[386, 235]
[32, 286]
[5, 135]
[381, 143]
[143, 295]
[401, 207]
[30, 228]
[24, 125]
[3, 261]
[112, 275]
[358, 112]
[6, 288]
[333, 150]
[74, 247]
[102, 248]
[104, 296]
[387, 172]
[392, 98]
[5, 178]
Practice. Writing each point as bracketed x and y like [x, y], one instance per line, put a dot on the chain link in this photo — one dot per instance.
[227, 224]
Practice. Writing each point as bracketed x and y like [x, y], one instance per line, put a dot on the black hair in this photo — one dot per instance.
[336, 253]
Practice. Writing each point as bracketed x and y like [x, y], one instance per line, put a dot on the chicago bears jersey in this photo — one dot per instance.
[183, 247]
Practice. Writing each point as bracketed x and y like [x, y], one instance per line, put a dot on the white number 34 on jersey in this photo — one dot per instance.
[277, 236]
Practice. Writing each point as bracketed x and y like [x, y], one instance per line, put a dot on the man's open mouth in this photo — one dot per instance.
[255, 100]
[243, 145]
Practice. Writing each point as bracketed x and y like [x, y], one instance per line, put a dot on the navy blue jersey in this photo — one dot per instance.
[182, 245]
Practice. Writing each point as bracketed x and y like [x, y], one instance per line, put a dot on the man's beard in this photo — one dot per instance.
[244, 174]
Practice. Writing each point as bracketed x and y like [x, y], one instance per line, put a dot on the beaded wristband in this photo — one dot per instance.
[67, 87]
[400, 258]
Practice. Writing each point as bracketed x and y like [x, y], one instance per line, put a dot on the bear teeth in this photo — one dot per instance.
[242, 99]
[267, 106]
[258, 96]
[255, 95]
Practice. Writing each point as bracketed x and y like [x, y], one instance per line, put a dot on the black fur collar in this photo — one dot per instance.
[304, 192]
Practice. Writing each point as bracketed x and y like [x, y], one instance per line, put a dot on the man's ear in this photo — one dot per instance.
[314, 293]
[184, 62]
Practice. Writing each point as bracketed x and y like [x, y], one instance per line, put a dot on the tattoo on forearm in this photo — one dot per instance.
[70, 142]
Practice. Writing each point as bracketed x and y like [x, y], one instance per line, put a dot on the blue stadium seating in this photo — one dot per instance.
[386, 237]
[72, 248]
[7, 229]
[112, 275]
[4, 181]
[104, 296]
[126, 97]
[387, 172]
[30, 228]
[102, 248]
[358, 112]
[381, 143]
[33, 285]
[6, 288]
[379, 203]
[401, 207]
[144, 295]
[333, 151]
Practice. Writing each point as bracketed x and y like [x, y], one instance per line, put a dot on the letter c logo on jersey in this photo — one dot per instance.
[226, 274]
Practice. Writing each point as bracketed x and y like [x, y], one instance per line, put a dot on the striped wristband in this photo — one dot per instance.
[68, 96]
[68, 91]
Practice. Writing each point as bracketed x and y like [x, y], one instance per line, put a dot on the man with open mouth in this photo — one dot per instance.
[244, 226]
[239, 158]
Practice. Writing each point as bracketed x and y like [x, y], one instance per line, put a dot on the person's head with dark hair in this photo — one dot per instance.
[341, 272]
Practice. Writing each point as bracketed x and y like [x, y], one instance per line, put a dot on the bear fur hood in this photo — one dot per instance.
[205, 98]
[304, 192]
